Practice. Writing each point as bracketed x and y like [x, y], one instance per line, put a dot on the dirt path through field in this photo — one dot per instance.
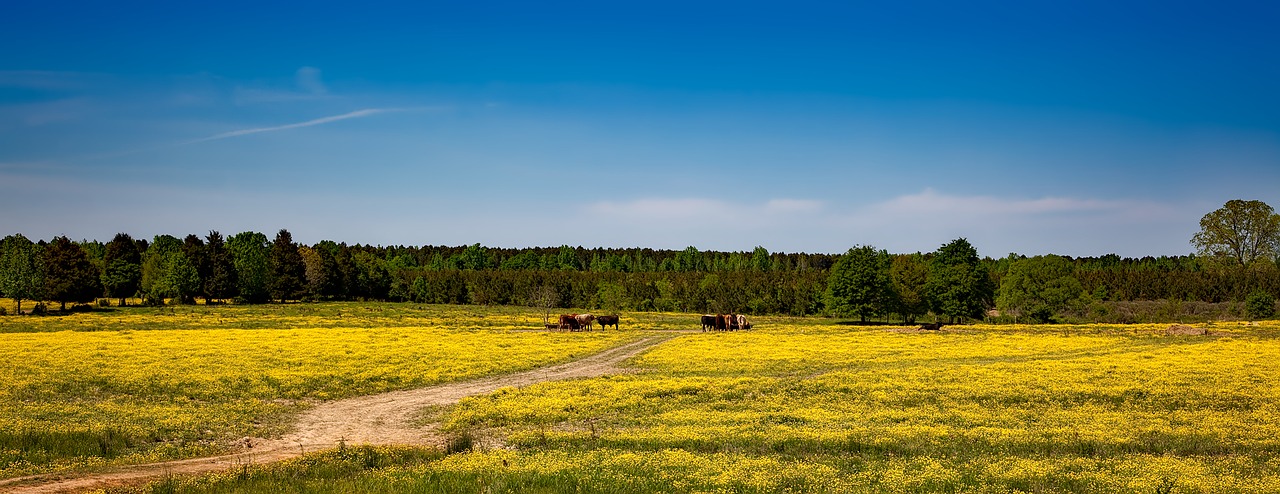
[386, 418]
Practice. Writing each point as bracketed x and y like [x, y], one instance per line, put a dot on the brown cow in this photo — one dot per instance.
[569, 321]
[585, 320]
[607, 321]
[722, 322]
[931, 326]
[708, 321]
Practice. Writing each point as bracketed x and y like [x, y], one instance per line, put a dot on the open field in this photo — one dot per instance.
[139, 385]
[801, 405]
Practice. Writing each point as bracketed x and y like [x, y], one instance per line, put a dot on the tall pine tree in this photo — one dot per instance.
[288, 273]
[220, 282]
[122, 268]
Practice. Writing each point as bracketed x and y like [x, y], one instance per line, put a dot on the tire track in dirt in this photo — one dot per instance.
[380, 419]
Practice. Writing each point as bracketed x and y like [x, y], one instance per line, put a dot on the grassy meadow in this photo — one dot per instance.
[796, 405]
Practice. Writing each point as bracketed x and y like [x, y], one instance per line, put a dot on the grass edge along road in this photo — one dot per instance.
[375, 420]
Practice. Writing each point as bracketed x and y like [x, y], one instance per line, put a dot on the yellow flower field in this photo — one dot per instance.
[796, 405]
[982, 408]
[98, 392]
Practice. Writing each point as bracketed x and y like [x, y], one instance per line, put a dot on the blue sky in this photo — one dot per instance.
[1077, 128]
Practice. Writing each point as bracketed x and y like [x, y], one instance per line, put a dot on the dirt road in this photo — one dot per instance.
[376, 419]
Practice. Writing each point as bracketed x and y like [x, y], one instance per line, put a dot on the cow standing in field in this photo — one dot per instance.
[742, 322]
[708, 321]
[722, 322]
[931, 326]
[569, 322]
[584, 320]
[607, 321]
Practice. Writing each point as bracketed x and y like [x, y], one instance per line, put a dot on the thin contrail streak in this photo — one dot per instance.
[308, 123]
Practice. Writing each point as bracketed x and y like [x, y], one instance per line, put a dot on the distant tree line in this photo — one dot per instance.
[951, 283]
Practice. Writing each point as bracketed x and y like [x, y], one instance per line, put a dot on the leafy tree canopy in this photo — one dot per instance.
[859, 283]
[958, 285]
[1038, 287]
[69, 276]
[1239, 232]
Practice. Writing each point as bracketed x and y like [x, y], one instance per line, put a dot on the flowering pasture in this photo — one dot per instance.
[981, 408]
[132, 386]
[797, 405]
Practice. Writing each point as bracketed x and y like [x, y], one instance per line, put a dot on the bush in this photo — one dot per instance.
[1260, 305]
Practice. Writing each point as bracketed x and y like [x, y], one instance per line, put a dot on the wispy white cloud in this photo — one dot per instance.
[309, 123]
[906, 223]
[308, 80]
[931, 206]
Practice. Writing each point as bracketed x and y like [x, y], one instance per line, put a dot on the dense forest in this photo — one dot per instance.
[951, 283]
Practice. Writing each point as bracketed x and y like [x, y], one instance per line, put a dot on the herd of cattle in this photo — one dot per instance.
[579, 322]
[584, 322]
[714, 322]
[725, 322]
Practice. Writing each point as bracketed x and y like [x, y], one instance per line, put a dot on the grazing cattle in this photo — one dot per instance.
[607, 321]
[722, 322]
[933, 326]
[708, 321]
[569, 321]
[742, 322]
[584, 320]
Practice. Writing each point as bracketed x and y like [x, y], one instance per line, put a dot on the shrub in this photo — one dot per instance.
[460, 442]
[1260, 305]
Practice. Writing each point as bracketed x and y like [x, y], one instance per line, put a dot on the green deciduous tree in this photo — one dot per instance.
[958, 286]
[21, 269]
[249, 254]
[122, 268]
[313, 266]
[1239, 232]
[371, 281]
[167, 272]
[180, 280]
[1038, 287]
[69, 276]
[760, 259]
[909, 274]
[859, 283]
[156, 262]
[567, 259]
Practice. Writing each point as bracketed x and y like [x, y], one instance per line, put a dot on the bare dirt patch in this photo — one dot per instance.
[1182, 329]
[382, 419]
